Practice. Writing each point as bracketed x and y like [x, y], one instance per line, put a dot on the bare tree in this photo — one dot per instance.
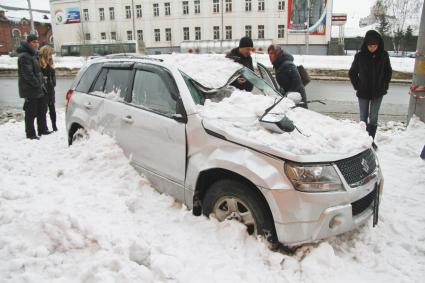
[400, 12]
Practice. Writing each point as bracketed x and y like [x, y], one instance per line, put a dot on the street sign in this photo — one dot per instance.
[339, 19]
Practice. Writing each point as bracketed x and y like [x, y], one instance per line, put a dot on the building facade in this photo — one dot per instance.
[163, 26]
[14, 30]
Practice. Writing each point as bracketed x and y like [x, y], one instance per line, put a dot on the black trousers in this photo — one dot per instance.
[52, 112]
[35, 108]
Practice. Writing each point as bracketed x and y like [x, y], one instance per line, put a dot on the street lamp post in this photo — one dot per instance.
[31, 17]
[307, 32]
[222, 26]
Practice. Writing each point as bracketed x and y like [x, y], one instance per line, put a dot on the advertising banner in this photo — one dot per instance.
[68, 16]
[297, 16]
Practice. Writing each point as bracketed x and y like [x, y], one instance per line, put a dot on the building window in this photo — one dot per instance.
[111, 13]
[155, 9]
[248, 31]
[261, 5]
[261, 31]
[216, 32]
[185, 7]
[168, 34]
[129, 35]
[157, 33]
[86, 15]
[103, 35]
[197, 33]
[216, 6]
[87, 36]
[248, 5]
[228, 6]
[139, 11]
[186, 33]
[197, 6]
[280, 31]
[228, 32]
[167, 9]
[113, 35]
[101, 14]
[281, 5]
[127, 12]
[140, 35]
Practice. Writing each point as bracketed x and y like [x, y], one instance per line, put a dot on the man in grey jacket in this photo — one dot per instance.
[31, 87]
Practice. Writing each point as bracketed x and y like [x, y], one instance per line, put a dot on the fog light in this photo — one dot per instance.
[335, 222]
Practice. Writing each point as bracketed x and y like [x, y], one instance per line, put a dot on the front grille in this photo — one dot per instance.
[354, 169]
[362, 204]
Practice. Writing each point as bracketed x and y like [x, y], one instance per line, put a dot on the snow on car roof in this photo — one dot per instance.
[211, 70]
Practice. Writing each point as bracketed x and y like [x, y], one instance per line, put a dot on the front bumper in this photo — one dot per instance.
[316, 216]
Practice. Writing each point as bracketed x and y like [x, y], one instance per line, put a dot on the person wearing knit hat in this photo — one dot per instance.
[242, 55]
[370, 75]
[30, 84]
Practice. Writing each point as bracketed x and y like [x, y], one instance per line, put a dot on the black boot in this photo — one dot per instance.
[372, 133]
[54, 127]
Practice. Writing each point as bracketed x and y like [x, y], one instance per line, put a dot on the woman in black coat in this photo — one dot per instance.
[49, 80]
[370, 75]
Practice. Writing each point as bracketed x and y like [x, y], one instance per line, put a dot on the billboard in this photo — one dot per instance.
[297, 16]
[68, 16]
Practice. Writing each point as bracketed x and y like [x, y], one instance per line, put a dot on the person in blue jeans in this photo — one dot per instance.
[370, 75]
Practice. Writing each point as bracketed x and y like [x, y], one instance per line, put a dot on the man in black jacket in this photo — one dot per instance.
[370, 75]
[30, 84]
[287, 74]
[242, 55]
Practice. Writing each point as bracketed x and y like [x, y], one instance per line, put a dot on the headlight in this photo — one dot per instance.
[313, 178]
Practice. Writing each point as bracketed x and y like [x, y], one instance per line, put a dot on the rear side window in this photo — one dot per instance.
[100, 82]
[150, 91]
[87, 79]
[117, 83]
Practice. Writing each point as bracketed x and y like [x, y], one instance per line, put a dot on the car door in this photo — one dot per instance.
[84, 106]
[113, 84]
[154, 138]
[268, 77]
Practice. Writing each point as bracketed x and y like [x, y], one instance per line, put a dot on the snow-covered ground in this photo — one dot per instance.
[308, 61]
[83, 214]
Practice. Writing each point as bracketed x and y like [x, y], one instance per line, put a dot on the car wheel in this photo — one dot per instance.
[79, 135]
[233, 200]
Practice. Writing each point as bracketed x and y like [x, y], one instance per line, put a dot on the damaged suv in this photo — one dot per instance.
[289, 174]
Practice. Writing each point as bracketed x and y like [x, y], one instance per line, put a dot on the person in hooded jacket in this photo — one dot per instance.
[242, 55]
[370, 75]
[30, 83]
[286, 71]
[49, 81]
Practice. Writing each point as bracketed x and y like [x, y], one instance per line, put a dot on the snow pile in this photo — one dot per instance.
[206, 67]
[237, 118]
[67, 62]
[211, 70]
[83, 214]
[401, 64]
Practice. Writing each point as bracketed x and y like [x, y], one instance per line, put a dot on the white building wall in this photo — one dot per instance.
[238, 19]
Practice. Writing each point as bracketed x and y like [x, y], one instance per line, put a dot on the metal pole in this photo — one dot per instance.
[31, 17]
[222, 26]
[307, 31]
[417, 98]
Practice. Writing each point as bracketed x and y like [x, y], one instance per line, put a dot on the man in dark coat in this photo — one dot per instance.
[287, 74]
[30, 84]
[242, 55]
[370, 75]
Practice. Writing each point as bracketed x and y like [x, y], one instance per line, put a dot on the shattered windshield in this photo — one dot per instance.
[200, 93]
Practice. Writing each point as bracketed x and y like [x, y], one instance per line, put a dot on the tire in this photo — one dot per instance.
[79, 135]
[230, 199]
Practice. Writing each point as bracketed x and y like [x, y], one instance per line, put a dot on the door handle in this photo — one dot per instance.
[128, 119]
[88, 105]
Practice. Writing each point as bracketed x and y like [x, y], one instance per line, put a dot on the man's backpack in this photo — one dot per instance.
[305, 77]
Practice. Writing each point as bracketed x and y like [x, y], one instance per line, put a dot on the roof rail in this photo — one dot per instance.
[131, 56]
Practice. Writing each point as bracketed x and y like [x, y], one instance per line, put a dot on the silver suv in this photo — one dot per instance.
[152, 110]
